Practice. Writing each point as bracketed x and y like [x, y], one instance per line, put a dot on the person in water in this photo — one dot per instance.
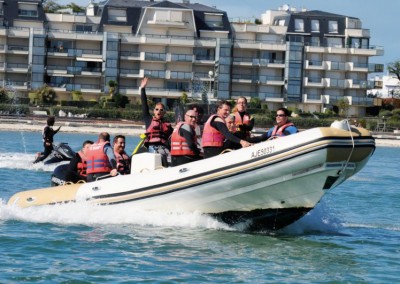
[158, 130]
[215, 132]
[78, 165]
[101, 159]
[48, 138]
[183, 141]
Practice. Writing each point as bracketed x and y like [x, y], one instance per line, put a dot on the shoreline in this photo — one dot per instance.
[115, 127]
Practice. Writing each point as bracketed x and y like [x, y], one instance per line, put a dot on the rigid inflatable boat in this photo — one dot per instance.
[263, 187]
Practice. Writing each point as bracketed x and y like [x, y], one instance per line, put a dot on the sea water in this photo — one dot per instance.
[352, 236]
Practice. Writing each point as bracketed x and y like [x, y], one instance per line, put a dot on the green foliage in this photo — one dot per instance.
[184, 98]
[3, 96]
[77, 96]
[343, 105]
[46, 94]
[257, 21]
[394, 68]
[255, 103]
[14, 109]
[120, 100]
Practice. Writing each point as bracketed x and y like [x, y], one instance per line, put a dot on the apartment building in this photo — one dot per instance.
[303, 59]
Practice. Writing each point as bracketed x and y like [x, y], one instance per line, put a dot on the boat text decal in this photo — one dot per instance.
[262, 152]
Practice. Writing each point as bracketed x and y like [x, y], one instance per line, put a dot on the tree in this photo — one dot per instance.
[343, 105]
[394, 68]
[46, 94]
[3, 96]
[51, 6]
[112, 87]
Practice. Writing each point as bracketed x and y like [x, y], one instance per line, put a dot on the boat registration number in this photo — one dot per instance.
[263, 152]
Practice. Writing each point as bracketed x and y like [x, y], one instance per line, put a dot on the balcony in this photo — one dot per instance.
[17, 67]
[314, 65]
[180, 58]
[337, 83]
[131, 73]
[336, 66]
[273, 98]
[131, 55]
[181, 75]
[272, 80]
[18, 49]
[160, 74]
[88, 88]
[358, 84]
[154, 92]
[315, 82]
[313, 99]
[157, 57]
[243, 78]
[93, 55]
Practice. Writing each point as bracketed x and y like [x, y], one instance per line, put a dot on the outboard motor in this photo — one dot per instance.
[61, 152]
[58, 177]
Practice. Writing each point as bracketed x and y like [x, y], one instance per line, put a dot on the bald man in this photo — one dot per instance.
[183, 141]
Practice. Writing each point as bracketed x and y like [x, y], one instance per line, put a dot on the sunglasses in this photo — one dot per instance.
[280, 115]
[159, 109]
[192, 116]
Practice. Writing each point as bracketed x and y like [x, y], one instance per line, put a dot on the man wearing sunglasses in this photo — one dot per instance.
[282, 127]
[183, 141]
[157, 129]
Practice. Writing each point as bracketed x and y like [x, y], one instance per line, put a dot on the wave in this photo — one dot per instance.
[22, 161]
[92, 215]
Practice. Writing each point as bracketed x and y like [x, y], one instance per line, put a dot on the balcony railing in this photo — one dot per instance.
[205, 57]
[130, 53]
[129, 71]
[181, 75]
[155, 56]
[182, 57]
[155, 73]
[18, 47]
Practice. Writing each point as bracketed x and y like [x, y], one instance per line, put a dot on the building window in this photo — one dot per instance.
[315, 26]
[27, 10]
[299, 25]
[315, 41]
[111, 63]
[213, 20]
[333, 27]
[83, 28]
[112, 45]
[116, 15]
[38, 59]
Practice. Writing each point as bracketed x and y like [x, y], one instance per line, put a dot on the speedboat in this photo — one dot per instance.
[266, 186]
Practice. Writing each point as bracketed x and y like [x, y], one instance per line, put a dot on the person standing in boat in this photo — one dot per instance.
[183, 141]
[123, 160]
[283, 127]
[48, 138]
[215, 132]
[158, 130]
[101, 160]
[199, 124]
[243, 121]
[78, 165]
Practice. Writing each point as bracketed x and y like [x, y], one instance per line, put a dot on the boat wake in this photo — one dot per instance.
[22, 161]
[93, 215]
[318, 221]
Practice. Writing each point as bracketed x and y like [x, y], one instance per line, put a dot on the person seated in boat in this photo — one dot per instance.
[77, 167]
[230, 124]
[123, 160]
[199, 124]
[183, 141]
[243, 121]
[48, 138]
[101, 159]
[158, 130]
[283, 127]
[215, 132]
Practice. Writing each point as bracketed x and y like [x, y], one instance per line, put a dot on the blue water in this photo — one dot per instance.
[352, 236]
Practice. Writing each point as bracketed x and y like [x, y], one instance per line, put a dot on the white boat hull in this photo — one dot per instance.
[266, 186]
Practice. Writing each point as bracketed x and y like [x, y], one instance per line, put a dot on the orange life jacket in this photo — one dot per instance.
[238, 120]
[82, 165]
[179, 146]
[157, 132]
[97, 160]
[122, 163]
[279, 131]
[211, 136]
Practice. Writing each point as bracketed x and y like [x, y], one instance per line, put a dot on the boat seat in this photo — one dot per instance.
[146, 162]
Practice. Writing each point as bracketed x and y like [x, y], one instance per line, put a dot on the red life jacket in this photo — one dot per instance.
[179, 146]
[278, 131]
[82, 165]
[157, 132]
[122, 163]
[97, 160]
[211, 136]
[238, 120]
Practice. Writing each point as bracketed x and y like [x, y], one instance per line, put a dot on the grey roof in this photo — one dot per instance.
[318, 13]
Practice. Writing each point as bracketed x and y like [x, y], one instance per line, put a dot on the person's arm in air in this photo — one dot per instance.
[145, 108]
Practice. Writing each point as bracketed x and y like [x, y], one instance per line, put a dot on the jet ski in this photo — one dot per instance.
[61, 152]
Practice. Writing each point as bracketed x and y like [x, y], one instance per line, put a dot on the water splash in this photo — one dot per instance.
[23, 161]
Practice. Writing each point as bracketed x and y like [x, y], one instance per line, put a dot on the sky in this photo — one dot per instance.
[380, 17]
